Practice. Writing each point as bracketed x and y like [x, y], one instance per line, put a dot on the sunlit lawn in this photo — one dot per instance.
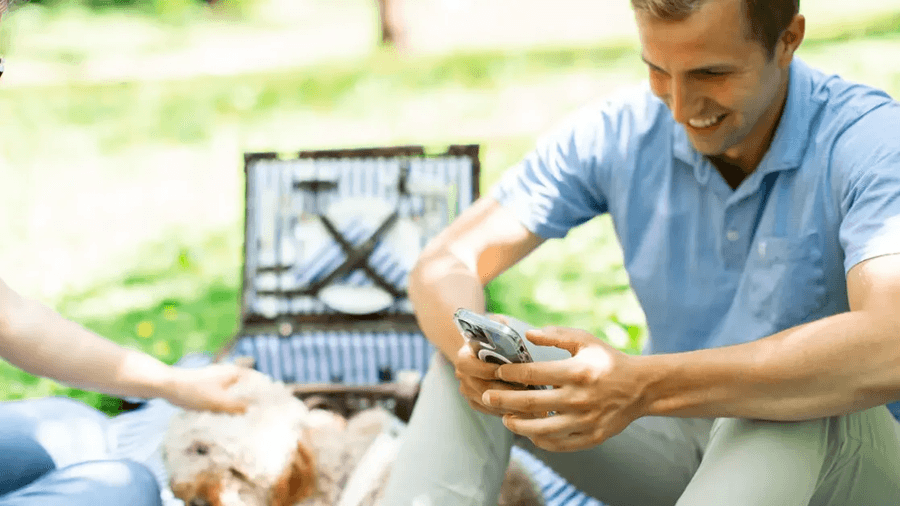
[146, 177]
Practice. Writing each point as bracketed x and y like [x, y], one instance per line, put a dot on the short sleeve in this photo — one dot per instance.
[869, 152]
[560, 184]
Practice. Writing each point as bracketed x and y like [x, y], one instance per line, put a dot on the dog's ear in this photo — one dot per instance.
[298, 481]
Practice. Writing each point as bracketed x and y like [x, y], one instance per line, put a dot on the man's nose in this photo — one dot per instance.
[681, 100]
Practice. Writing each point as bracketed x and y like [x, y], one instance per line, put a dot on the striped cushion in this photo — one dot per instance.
[336, 357]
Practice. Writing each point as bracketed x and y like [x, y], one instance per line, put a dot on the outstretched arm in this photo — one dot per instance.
[40, 341]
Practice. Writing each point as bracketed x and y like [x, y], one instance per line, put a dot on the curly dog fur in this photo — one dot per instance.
[282, 453]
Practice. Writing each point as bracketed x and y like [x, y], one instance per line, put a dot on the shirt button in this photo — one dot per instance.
[732, 235]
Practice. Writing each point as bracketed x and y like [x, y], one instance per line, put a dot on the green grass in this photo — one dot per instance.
[175, 288]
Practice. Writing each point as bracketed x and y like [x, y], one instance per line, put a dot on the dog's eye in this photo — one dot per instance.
[199, 448]
[238, 474]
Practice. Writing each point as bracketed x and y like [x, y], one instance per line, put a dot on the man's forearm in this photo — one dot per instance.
[438, 287]
[836, 365]
[41, 342]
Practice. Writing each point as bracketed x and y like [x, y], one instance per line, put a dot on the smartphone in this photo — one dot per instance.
[492, 341]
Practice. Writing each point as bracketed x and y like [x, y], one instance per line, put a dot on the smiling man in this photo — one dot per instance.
[757, 203]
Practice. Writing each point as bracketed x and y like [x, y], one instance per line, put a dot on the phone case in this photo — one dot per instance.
[492, 341]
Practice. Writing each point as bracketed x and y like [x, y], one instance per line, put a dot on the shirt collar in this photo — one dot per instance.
[789, 142]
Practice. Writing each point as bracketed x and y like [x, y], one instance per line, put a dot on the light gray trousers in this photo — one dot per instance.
[454, 455]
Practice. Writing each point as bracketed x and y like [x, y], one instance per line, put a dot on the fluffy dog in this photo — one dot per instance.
[282, 453]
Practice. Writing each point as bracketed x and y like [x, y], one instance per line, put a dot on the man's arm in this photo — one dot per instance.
[454, 268]
[41, 342]
[843, 363]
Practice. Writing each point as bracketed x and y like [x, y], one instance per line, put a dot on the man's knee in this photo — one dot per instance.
[740, 431]
[756, 462]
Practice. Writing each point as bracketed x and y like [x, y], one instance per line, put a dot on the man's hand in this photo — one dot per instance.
[477, 377]
[206, 388]
[596, 393]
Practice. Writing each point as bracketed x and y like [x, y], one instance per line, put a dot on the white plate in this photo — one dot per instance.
[370, 210]
[352, 299]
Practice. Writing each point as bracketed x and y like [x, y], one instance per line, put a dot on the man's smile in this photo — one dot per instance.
[707, 123]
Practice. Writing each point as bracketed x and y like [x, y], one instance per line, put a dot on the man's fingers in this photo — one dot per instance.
[570, 340]
[570, 443]
[467, 363]
[559, 426]
[553, 372]
[522, 401]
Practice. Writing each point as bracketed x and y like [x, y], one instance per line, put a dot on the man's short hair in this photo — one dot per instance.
[768, 19]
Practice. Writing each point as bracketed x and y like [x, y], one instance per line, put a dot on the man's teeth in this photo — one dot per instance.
[705, 123]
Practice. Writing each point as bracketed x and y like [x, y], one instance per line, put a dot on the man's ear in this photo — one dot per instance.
[298, 481]
[790, 40]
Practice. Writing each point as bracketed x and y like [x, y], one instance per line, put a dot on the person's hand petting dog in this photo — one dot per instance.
[595, 395]
[206, 388]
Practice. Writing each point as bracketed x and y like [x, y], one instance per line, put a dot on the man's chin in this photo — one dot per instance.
[707, 148]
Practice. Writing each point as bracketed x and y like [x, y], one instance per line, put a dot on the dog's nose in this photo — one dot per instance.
[198, 501]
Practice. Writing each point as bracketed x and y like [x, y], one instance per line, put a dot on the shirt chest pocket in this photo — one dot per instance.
[786, 280]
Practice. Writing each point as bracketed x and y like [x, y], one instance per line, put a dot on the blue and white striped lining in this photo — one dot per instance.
[382, 260]
[336, 357]
[272, 199]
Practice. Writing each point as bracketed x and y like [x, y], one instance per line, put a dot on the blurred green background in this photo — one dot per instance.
[124, 123]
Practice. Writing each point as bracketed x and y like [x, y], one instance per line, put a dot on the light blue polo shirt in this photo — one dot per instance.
[712, 266]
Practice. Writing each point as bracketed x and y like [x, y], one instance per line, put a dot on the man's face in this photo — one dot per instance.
[717, 82]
